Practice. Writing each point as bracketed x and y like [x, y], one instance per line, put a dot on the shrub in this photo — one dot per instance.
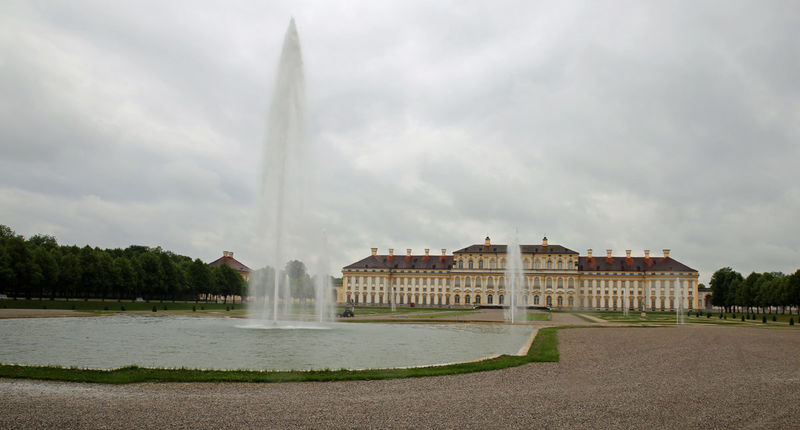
[44, 306]
[122, 308]
[791, 320]
[73, 307]
[720, 315]
[774, 318]
[227, 308]
[708, 315]
[105, 308]
[764, 319]
[734, 317]
[155, 309]
[202, 308]
[194, 308]
[165, 307]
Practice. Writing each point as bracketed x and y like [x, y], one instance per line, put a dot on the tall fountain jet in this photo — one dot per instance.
[514, 282]
[285, 230]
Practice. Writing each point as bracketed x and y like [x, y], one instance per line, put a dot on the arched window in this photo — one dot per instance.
[549, 282]
[549, 264]
[491, 264]
[458, 282]
[489, 299]
[470, 264]
[477, 282]
[560, 282]
[549, 301]
[460, 264]
[560, 264]
[570, 265]
[535, 300]
[502, 282]
[571, 283]
[477, 299]
[504, 263]
[536, 263]
[536, 283]
[468, 282]
[527, 263]
[501, 299]
[560, 301]
[490, 282]
[457, 299]
[466, 299]
[571, 302]
[480, 264]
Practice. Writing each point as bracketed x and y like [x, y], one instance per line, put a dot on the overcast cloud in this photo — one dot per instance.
[605, 125]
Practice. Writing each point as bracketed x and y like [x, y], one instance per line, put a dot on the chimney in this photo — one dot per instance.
[391, 252]
[646, 253]
[544, 241]
[608, 253]
[408, 252]
[444, 252]
[589, 252]
[427, 252]
[627, 253]
[666, 253]
[487, 242]
[374, 251]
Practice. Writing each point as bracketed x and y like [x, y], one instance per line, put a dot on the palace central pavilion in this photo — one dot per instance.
[554, 276]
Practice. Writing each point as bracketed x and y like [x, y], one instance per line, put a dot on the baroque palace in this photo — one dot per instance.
[554, 276]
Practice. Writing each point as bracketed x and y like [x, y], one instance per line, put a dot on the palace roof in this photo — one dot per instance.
[631, 264]
[525, 249]
[404, 262]
[230, 262]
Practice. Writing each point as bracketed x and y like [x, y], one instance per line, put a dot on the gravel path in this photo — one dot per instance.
[687, 377]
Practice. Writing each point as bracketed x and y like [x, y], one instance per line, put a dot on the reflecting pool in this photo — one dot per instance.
[225, 343]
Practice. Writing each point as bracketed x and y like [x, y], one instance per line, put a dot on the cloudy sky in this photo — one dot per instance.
[602, 124]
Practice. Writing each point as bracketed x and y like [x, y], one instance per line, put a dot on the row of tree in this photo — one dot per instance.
[40, 267]
[758, 292]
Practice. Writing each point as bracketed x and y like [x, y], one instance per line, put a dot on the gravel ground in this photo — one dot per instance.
[686, 377]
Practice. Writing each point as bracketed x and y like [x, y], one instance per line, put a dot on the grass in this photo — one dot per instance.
[444, 314]
[544, 348]
[662, 318]
[538, 316]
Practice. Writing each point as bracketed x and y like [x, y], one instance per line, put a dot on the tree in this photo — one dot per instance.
[720, 284]
[199, 278]
[47, 279]
[69, 275]
[151, 275]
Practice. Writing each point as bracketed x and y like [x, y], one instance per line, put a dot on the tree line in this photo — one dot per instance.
[39, 267]
[758, 292]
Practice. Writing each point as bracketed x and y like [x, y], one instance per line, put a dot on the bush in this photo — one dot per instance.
[194, 308]
[774, 318]
[44, 306]
[227, 308]
[202, 308]
[105, 308]
[708, 315]
[73, 307]
[742, 317]
[734, 317]
[165, 307]
[122, 308]
[720, 315]
[764, 319]
[791, 320]
[155, 309]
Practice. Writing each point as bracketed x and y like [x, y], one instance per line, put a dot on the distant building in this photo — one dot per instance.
[228, 260]
[553, 276]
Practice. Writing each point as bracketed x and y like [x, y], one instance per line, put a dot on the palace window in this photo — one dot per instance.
[549, 282]
[535, 300]
[457, 299]
[527, 264]
[491, 264]
[470, 264]
[536, 283]
[468, 283]
[549, 264]
[501, 298]
[560, 301]
[477, 282]
[560, 264]
[571, 283]
[466, 299]
[460, 264]
[536, 263]
[489, 299]
[560, 283]
[480, 264]
[490, 282]
[477, 300]
[570, 267]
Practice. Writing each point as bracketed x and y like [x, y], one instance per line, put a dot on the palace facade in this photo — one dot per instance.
[553, 276]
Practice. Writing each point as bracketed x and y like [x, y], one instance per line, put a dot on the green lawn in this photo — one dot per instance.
[688, 318]
[539, 316]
